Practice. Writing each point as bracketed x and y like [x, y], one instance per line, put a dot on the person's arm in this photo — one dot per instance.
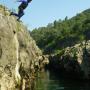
[22, 1]
[29, 1]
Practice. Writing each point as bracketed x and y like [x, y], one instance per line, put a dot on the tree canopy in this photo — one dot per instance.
[63, 33]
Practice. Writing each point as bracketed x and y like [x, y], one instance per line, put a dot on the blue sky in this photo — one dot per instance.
[41, 12]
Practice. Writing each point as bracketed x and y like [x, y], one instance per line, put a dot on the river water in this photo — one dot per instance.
[49, 81]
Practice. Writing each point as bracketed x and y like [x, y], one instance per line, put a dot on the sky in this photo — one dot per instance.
[41, 12]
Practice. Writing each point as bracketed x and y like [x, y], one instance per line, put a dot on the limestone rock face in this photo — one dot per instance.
[73, 61]
[81, 54]
[19, 55]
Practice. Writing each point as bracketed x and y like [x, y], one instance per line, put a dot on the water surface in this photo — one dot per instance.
[49, 81]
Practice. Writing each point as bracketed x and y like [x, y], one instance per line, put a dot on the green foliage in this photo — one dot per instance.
[63, 33]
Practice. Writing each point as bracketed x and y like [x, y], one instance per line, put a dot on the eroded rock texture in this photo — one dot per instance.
[20, 58]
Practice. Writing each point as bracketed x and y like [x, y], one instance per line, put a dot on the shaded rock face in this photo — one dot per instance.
[66, 66]
[73, 62]
[20, 58]
[81, 53]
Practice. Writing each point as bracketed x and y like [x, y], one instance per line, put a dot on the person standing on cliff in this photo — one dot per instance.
[22, 6]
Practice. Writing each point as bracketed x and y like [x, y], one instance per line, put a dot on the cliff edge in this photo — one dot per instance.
[20, 58]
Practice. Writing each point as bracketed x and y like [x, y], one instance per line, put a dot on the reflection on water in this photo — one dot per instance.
[49, 81]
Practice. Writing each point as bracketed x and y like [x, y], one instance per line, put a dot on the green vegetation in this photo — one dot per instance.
[63, 33]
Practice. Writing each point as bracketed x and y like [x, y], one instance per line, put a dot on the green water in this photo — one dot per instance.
[50, 81]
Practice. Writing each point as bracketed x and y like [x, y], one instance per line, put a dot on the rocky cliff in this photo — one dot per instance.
[73, 61]
[20, 58]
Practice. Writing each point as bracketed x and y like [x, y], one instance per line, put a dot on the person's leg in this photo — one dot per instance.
[15, 14]
[20, 13]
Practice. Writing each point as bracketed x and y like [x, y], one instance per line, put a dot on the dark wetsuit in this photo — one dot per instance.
[21, 8]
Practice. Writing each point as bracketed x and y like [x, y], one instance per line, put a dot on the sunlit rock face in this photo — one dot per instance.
[20, 58]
